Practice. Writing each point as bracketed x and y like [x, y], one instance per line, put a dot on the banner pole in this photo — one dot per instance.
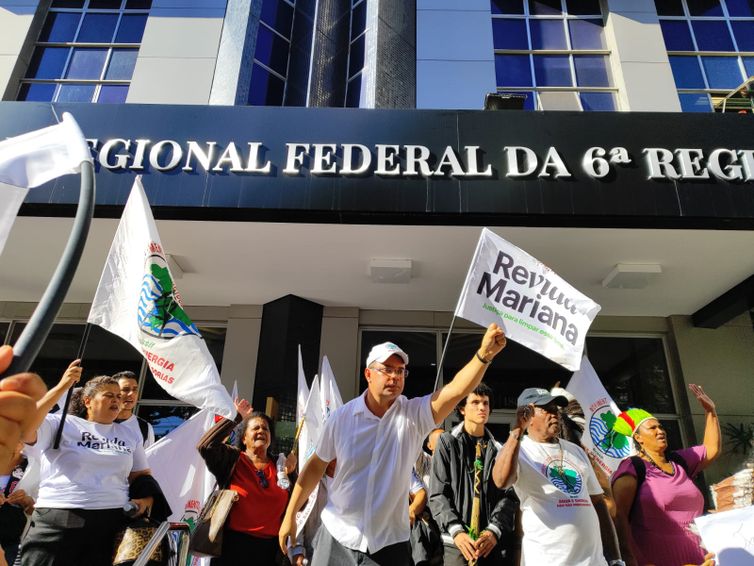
[69, 393]
[444, 350]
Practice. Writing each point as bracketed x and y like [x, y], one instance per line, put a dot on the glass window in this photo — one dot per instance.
[72, 92]
[507, 6]
[686, 72]
[749, 65]
[634, 371]
[107, 354]
[545, 7]
[272, 50]
[48, 62]
[509, 33]
[359, 21]
[131, 28]
[722, 72]
[712, 35]
[37, 92]
[4, 327]
[353, 92]
[138, 4]
[552, 70]
[67, 3]
[695, 102]
[58, 351]
[165, 418]
[705, 7]
[60, 26]
[278, 14]
[677, 35]
[86, 63]
[104, 4]
[598, 101]
[112, 94]
[740, 8]
[744, 33]
[669, 7]
[122, 62]
[583, 7]
[266, 89]
[591, 70]
[356, 58]
[97, 28]
[586, 34]
[547, 34]
[513, 70]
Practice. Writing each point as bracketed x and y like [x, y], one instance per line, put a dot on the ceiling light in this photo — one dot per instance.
[390, 270]
[632, 275]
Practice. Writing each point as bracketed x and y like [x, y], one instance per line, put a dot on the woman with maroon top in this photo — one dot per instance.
[249, 468]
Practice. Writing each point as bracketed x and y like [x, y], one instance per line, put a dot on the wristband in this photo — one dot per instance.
[481, 359]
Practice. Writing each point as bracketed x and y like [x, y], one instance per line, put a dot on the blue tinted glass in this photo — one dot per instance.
[353, 93]
[97, 28]
[547, 34]
[545, 7]
[121, 65]
[686, 72]
[722, 72]
[513, 70]
[509, 34]
[694, 102]
[104, 4]
[669, 7]
[47, 63]
[712, 36]
[507, 6]
[75, 93]
[359, 22]
[86, 64]
[552, 70]
[278, 15]
[749, 65]
[740, 8]
[597, 101]
[583, 7]
[677, 35]
[131, 28]
[67, 3]
[356, 60]
[266, 89]
[60, 26]
[37, 92]
[138, 4]
[705, 7]
[744, 33]
[587, 34]
[112, 94]
[272, 50]
[591, 70]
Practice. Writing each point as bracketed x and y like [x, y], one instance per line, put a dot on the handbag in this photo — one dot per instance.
[207, 537]
[130, 543]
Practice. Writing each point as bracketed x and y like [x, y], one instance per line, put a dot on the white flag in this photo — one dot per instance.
[330, 396]
[535, 307]
[32, 159]
[606, 446]
[307, 443]
[302, 393]
[182, 474]
[137, 300]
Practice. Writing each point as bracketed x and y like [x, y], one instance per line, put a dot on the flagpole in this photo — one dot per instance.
[67, 403]
[444, 350]
[27, 346]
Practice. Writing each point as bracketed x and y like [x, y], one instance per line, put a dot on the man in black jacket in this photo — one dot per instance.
[452, 489]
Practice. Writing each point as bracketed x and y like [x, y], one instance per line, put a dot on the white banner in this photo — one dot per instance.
[535, 306]
[137, 300]
[31, 159]
[730, 535]
[307, 442]
[330, 396]
[607, 447]
[182, 474]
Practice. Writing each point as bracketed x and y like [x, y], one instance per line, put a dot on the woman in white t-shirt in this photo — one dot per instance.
[84, 484]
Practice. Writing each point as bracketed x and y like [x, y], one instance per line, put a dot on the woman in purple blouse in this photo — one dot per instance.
[656, 505]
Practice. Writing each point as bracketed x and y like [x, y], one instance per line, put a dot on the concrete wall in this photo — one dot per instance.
[178, 53]
[454, 68]
[641, 69]
[16, 37]
[722, 362]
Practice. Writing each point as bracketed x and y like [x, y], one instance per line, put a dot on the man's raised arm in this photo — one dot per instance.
[307, 481]
[466, 380]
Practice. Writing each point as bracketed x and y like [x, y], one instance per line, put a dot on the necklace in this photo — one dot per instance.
[651, 460]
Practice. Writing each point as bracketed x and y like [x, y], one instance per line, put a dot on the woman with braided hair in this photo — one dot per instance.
[654, 493]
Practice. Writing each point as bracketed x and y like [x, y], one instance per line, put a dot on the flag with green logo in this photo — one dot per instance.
[137, 300]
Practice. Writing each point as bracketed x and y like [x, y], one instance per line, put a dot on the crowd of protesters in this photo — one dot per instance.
[400, 491]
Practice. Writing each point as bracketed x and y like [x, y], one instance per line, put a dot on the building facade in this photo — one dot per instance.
[283, 236]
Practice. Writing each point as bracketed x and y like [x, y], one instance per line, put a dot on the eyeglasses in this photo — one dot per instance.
[262, 479]
[392, 372]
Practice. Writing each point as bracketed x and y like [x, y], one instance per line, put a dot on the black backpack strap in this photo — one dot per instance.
[678, 459]
[641, 470]
[143, 427]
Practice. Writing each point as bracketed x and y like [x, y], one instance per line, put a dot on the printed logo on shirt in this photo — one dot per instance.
[604, 438]
[191, 513]
[94, 442]
[564, 477]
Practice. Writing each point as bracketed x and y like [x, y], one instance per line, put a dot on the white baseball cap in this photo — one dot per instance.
[382, 352]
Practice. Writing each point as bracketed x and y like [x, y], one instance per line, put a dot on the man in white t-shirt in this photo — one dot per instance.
[375, 439]
[129, 392]
[563, 512]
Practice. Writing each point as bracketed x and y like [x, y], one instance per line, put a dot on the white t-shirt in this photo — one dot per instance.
[554, 484]
[367, 499]
[90, 469]
[133, 422]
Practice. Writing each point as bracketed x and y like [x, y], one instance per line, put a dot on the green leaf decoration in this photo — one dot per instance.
[473, 533]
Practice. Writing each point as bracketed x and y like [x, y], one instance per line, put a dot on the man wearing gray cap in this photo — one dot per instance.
[563, 512]
[375, 439]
